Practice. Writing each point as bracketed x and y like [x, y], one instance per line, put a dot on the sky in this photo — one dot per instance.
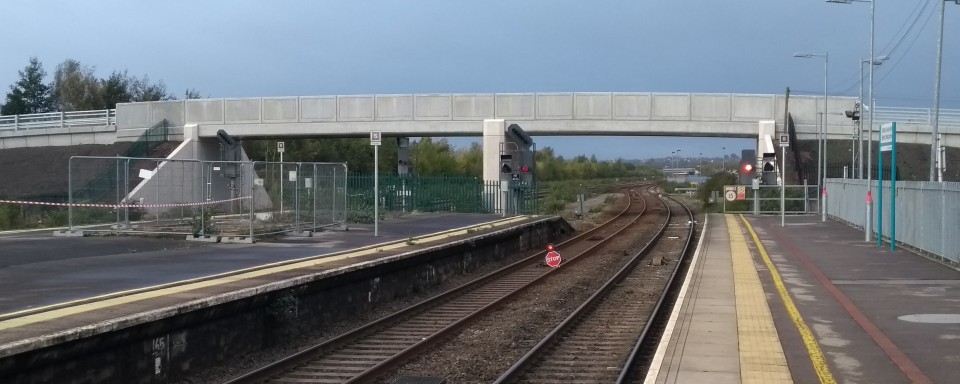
[241, 48]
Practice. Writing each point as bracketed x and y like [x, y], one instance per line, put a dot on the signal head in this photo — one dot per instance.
[748, 167]
[550, 247]
[524, 168]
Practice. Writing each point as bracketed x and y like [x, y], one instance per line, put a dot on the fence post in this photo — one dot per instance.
[61, 119]
[16, 127]
[253, 196]
[69, 192]
[296, 198]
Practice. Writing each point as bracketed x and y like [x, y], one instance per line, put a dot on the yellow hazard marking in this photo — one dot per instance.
[56, 311]
[809, 340]
[761, 354]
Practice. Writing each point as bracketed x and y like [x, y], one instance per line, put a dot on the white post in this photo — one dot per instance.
[376, 191]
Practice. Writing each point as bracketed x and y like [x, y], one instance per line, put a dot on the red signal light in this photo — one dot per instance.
[747, 167]
[524, 168]
[550, 247]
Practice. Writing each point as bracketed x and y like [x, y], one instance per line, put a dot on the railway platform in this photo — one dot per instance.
[809, 302]
[58, 289]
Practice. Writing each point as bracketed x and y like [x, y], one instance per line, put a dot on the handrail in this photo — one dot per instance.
[49, 120]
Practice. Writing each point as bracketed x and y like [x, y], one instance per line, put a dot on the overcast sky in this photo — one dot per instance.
[298, 48]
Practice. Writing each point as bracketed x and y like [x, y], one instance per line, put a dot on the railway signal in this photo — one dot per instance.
[553, 257]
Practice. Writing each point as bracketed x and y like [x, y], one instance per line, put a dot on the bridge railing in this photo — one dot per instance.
[921, 116]
[102, 117]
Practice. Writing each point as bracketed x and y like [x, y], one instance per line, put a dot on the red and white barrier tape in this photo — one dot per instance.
[20, 202]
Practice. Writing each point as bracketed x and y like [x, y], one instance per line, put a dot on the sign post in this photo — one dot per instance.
[375, 140]
[784, 144]
[553, 257]
[888, 143]
[280, 150]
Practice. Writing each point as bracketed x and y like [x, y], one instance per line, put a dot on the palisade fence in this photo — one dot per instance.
[798, 199]
[926, 213]
[221, 199]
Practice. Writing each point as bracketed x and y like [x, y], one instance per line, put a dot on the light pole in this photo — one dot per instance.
[936, 172]
[700, 167]
[678, 159]
[876, 61]
[724, 159]
[823, 127]
[868, 220]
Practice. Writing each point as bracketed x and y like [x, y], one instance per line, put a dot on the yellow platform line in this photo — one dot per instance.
[250, 273]
[761, 354]
[809, 340]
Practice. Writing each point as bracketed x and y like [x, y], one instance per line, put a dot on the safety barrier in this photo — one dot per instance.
[926, 218]
[103, 117]
[209, 200]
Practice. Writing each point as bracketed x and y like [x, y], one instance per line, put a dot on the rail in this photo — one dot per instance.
[49, 120]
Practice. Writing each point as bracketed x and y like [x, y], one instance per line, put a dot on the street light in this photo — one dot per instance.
[869, 215]
[876, 61]
[822, 158]
[936, 169]
[724, 159]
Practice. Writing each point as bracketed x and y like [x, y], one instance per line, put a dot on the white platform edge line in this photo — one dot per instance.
[654, 371]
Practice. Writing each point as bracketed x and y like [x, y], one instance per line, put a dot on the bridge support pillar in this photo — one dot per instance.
[493, 137]
[403, 155]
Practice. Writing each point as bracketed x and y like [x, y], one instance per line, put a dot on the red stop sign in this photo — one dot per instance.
[553, 259]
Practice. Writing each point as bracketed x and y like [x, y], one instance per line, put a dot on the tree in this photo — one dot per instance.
[192, 93]
[142, 90]
[75, 88]
[29, 94]
[115, 89]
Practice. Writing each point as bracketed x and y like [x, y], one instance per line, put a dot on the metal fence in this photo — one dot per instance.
[798, 199]
[460, 194]
[926, 213]
[58, 120]
[205, 199]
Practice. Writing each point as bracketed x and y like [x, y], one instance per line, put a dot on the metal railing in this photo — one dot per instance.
[798, 199]
[921, 116]
[103, 117]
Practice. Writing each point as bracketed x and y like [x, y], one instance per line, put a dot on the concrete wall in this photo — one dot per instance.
[221, 330]
[58, 137]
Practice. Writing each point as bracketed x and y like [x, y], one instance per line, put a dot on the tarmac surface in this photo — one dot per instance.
[37, 269]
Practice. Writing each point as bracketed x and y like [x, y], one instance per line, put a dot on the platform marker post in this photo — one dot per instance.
[375, 140]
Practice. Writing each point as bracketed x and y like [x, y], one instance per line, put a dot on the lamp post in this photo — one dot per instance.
[936, 169]
[822, 168]
[869, 214]
[876, 61]
[678, 159]
[724, 167]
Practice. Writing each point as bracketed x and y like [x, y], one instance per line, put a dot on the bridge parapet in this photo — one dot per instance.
[690, 107]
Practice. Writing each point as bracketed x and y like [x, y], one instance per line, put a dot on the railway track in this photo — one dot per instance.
[371, 350]
[604, 340]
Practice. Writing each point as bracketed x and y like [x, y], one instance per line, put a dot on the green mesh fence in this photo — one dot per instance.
[412, 193]
[111, 179]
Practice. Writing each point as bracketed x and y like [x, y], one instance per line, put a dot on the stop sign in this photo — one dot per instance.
[553, 259]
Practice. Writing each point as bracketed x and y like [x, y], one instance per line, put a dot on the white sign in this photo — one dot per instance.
[376, 137]
[146, 173]
[886, 136]
[784, 140]
[280, 146]
[730, 195]
[292, 176]
[258, 182]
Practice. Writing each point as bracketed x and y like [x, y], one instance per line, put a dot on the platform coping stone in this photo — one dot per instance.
[761, 354]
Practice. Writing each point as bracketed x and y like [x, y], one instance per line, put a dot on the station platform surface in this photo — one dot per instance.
[809, 302]
[50, 284]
